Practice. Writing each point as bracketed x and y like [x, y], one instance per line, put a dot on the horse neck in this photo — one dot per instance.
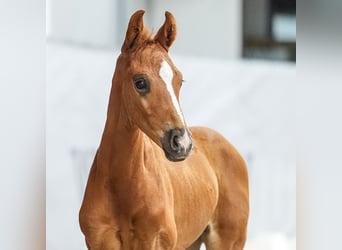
[122, 144]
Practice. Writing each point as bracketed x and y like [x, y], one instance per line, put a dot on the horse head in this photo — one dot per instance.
[149, 84]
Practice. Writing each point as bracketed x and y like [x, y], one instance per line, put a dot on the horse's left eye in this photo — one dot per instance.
[142, 85]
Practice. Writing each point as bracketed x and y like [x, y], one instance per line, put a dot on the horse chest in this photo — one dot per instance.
[143, 214]
[144, 196]
[195, 193]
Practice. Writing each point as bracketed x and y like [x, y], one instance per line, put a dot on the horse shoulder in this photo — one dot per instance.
[231, 170]
[96, 223]
[228, 163]
[217, 147]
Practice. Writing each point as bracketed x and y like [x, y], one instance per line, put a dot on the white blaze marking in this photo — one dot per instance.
[166, 74]
[184, 140]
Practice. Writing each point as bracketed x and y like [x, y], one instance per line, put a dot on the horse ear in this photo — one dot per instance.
[167, 33]
[135, 32]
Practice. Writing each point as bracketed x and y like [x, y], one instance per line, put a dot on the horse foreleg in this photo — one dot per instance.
[197, 244]
[228, 227]
[225, 239]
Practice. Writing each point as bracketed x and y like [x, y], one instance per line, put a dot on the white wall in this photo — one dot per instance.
[205, 27]
[82, 21]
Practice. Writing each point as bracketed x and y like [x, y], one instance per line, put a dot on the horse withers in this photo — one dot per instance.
[155, 183]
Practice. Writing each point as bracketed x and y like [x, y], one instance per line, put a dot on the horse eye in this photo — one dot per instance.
[142, 85]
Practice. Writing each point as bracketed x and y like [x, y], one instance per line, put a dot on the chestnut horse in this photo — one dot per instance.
[155, 183]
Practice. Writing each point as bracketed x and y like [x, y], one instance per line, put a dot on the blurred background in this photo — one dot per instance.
[264, 29]
[244, 52]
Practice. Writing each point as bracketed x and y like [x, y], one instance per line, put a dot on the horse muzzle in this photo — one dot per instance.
[177, 144]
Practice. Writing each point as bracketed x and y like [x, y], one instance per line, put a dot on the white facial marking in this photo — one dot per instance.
[184, 140]
[166, 74]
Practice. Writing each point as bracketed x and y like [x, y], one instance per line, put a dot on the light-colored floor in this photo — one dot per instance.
[251, 103]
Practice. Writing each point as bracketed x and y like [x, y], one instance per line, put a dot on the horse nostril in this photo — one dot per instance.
[174, 143]
[177, 144]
